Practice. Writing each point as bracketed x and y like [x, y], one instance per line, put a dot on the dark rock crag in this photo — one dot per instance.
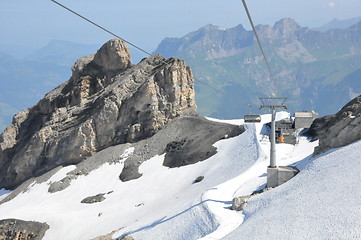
[339, 129]
[107, 101]
[185, 140]
[15, 229]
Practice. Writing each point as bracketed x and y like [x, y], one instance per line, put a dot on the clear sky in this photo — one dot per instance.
[35, 22]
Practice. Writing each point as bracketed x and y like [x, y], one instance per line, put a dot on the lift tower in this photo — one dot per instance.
[276, 175]
[273, 104]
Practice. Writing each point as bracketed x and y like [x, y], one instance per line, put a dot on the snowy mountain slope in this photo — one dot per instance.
[255, 177]
[322, 202]
[160, 197]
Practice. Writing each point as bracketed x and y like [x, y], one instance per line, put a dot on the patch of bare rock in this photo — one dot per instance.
[15, 229]
[94, 199]
[339, 129]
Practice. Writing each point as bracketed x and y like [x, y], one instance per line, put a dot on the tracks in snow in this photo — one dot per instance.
[223, 194]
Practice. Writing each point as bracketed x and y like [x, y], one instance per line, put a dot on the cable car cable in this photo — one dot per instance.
[135, 46]
[104, 29]
[258, 41]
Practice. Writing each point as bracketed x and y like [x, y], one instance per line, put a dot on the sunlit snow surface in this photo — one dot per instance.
[165, 203]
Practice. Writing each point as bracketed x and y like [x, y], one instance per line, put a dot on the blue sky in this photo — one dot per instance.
[34, 23]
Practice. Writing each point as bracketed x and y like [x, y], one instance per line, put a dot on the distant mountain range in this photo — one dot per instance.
[338, 24]
[309, 67]
[315, 70]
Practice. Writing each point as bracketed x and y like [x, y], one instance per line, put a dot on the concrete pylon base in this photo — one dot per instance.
[279, 175]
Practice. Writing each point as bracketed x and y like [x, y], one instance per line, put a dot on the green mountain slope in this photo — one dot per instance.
[309, 67]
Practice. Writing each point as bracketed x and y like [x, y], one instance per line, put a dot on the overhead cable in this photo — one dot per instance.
[258, 41]
[104, 29]
[131, 44]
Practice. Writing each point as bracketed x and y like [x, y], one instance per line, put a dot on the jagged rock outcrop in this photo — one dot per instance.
[107, 101]
[15, 229]
[339, 129]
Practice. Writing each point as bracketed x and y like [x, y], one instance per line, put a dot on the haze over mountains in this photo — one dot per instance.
[226, 60]
[338, 24]
[25, 80]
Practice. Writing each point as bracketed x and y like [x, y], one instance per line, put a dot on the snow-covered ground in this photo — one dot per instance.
[321, 202]
[166, 203]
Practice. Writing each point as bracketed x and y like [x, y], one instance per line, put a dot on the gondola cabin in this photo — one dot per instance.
[252, 118]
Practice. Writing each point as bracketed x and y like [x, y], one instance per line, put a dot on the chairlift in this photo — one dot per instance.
[252, 118]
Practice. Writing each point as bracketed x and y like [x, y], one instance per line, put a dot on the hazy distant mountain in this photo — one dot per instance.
[6, 113]
[63, 53]
[338, 24]
[17, 51]
[311, 68]
[24, 81]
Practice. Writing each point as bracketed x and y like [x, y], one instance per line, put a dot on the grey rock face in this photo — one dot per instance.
[105, 102]
[94, 199]
[339, 129]
[185, 140]
[240, 203]
[20, 230]
[113, 56]
[128, 237]
[197, 141]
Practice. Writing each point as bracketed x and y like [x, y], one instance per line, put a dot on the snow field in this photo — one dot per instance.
[253, 178]
[164, 203]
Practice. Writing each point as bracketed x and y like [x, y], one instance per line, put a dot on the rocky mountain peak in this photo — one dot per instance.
[107, 101]
[286, 28]
[113, 56]
[210, 27]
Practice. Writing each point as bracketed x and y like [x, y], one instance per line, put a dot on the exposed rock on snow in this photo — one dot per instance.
[128, 237]
[197, 142]
[106, 237]
[198, 179]
[240, 203]
[106, 102]
[339, 129]
[22, 230]
[185, 140]
[94, 199]
[110, 155]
